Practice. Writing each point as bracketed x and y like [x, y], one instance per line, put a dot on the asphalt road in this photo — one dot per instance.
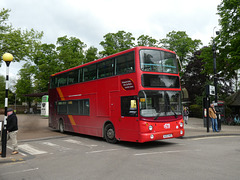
[47, 154]
[85, 157]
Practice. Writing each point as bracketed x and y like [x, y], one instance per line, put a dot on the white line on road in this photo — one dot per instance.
[60, 148]
[105, 150]
[27, 170]
[79, 143]
[19, 152]
[212, 137]
[164, 152]
[31, 150]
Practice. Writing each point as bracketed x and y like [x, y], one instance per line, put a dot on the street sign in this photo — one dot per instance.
[212, 90]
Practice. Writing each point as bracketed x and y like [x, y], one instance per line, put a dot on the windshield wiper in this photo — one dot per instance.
[158, 114]
[176, 116]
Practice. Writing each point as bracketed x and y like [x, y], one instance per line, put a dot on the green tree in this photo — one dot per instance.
[4, 27]
[194, 78]
[46, 63]
[70, 52]
[15, 41]
[91, 54]
[145, 40]
[116, 42]
[181, 43]
[24, 84]
[228, 42]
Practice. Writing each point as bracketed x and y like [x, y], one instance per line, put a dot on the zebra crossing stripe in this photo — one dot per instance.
[79, 143]
[60, 148]
[30, 150]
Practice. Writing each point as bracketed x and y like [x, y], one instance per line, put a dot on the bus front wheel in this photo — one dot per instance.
[110, 133]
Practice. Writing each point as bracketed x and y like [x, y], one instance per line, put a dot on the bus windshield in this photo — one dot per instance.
[158, 61]
[159, 103]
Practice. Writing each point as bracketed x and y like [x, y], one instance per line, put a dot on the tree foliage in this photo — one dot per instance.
[195, 78]
[46, 63]
[70, 52]
[24, 84]
[229, 39]
[145, 40]
[116, 42]
[181, 43]
[21, 44]
[4, 27]
[91, 54]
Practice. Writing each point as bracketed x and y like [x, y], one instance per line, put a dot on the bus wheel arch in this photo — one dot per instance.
[61, 125]
[109, 133]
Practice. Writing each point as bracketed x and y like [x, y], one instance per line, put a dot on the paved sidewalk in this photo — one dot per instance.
[195, 128]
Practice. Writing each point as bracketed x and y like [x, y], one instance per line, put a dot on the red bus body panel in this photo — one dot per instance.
[105, 106]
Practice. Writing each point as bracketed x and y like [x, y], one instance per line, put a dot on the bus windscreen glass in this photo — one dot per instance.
[160, 103]
[158, 61]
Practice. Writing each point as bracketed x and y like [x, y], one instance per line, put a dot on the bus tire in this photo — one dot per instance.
[61, 126]
[109, 134]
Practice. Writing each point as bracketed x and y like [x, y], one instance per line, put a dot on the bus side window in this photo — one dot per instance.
[129, 106]
[125, 63]
[89, 72]
[105, 68]
[84, 107]
[62, 107]
[73, 77]
[62, 80]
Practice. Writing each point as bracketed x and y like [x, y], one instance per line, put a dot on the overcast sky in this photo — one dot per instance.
[90, 20]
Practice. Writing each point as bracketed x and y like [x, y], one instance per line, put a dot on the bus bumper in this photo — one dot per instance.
[145, 137]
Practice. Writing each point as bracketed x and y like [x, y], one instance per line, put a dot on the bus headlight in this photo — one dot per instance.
[150, 128]
[181, 132]
[181, 124]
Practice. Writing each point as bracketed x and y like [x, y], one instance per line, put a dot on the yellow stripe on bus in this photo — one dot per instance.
[71, 120]
[60, 94]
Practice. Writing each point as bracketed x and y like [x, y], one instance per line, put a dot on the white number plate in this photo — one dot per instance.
[167, 135]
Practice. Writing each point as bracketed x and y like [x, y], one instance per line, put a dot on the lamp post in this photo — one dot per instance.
[215, 64]
[215, 72]
[7, 57]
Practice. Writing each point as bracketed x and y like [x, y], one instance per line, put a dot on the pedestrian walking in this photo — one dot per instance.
[12, 129]
[213, 116]
[185, 114]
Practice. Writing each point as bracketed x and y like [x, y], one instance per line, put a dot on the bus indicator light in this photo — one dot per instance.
[150, 128]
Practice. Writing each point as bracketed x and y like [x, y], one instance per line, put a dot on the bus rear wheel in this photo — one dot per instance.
[61, 126]
[109, 134]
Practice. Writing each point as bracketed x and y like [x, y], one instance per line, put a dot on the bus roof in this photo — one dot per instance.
[113, 55]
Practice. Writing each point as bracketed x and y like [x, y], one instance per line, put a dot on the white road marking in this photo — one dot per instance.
[15, 172]
[79, 143]
[105, 150]
[164, 152]
[19, 152]
[30, 149]
[60, 148]
[211, 137]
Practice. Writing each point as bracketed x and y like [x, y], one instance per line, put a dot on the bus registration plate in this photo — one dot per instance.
[167, 136]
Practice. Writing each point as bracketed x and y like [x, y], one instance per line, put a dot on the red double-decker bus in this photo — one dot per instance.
[134, 95]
